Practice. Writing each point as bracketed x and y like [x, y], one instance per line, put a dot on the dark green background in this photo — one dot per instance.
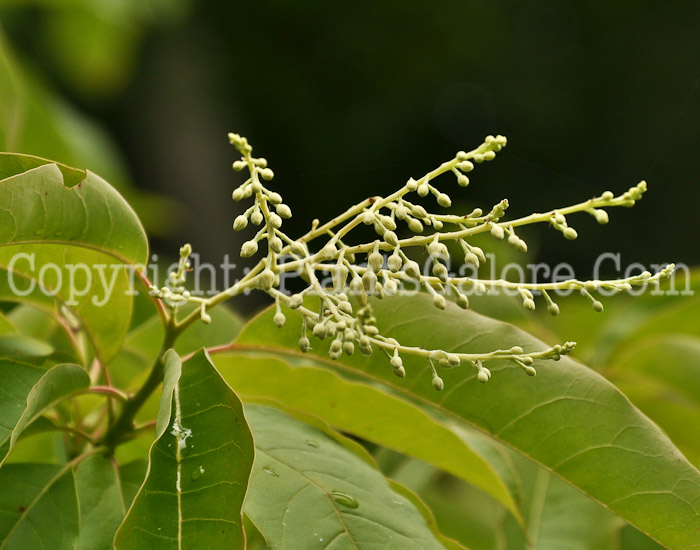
[348, 99]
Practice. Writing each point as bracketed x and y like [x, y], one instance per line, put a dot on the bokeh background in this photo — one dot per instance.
[349, 99]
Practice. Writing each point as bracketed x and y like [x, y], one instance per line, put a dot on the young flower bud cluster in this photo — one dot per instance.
[342, 276]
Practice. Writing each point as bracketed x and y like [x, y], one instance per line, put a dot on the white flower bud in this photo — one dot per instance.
[368, 218]
[559, 218]
[390, 287]
[513, 239]
[299, 249]
[472, 258]
[437, 224]
[489, 155]
[529, 303]
[256, 217]
[453, 359]
[465, 166]
[462, 301]
[438, 384]
[401, 212]
[394, 262]
[391, 238]
[516, 349]
[239, 165]
[444, 200]
[279, 319]
[497, 232]
[601, 217]
[275, 244]
[570, 233]
[240, 223]
[419, 212]
[597, 306]
[607, 196]
[375, 261]
[267, 278]
[439, 301]
[304, 344]
[412, 269]
[411, 184]
[248, 249]
[267, 174]
[340, 277]
[530, 371]
[329, 252]
[256, 187]
[295, 301]
[415, 226]
[369, 280]
[336, 345]
[553, 309]
[237, 194]
[274, 198]
[437, 249]
[388, 222]
[483, 377]
[348, 348]
[463, 180]
[423, 190]
[275, 221]
[284, 211]
[319, 331]
[440, 271]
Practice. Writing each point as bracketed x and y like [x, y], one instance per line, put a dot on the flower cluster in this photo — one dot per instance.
[379, 267]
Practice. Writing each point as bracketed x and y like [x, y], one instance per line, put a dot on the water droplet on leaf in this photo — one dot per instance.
[197, 473]
[312, 443]
[270, 471]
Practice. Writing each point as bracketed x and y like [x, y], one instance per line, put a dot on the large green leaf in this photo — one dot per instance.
[662, 377]
[568, 419]
[361, 410]
[78, 505]
[307, 491]
[67, 233]
[28, 392]
[199, 465]
[101, 501]
[38, 507]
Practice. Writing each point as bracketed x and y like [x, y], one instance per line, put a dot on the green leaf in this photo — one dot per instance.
[19, 346]
[307, 491]
[38, 507]
[199, 465]
[69, 237]
[568, 419]
[31, 391]
[102, 505]
[662, 378]
[364, 411]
